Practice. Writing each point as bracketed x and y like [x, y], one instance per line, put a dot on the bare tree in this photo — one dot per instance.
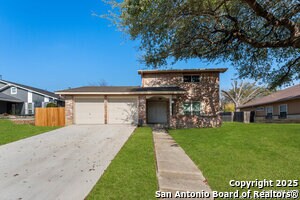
[243, 92]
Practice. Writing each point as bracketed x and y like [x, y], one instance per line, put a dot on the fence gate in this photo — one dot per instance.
[50, 116]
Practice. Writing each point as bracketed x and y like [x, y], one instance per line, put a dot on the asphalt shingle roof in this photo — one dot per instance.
[51, 94]
[282, 95]
[133, 89]
[4, 97]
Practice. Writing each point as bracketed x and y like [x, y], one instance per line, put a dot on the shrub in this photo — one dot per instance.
[50, 105]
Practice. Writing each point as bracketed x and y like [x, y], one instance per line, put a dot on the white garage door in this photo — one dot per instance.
[89, 110]
[122, 110]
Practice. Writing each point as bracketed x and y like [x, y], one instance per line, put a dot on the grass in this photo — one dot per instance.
[132, 174]
[10, 132]
[239, 151]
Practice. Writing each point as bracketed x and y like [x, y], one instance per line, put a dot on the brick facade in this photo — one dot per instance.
[69, 106]
[142, 109]
[206, 91]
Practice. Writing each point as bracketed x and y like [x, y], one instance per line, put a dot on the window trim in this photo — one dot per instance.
[260, 109]
[191, 75]
[285, 111]
[267, 109]
[15, 89]
[191, 108]
[32, 108]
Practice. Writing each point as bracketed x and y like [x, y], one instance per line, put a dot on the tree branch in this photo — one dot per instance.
[260, 11]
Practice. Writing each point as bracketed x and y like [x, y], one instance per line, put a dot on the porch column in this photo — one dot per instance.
[105, 109]
[170, 105]
[142, 110]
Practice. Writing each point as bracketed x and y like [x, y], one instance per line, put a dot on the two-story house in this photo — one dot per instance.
[19, 99]
[177, 98]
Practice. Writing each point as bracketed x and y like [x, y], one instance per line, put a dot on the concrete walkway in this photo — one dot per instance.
[62, 164]
[175, 170]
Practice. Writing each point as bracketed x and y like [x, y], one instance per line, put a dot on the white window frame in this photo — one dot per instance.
[27, 108]
[285, 111]
[32, 108]
[267, 109]
[283, 105]
[13, 90]
[191, 107]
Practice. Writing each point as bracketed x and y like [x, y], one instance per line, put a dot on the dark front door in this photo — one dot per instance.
[157, 112]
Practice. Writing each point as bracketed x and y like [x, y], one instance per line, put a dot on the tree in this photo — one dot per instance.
[243, 92]
[261, 38]
[51, 104]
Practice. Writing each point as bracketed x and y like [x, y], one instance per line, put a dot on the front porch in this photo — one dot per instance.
[156, 110]
[10, 105]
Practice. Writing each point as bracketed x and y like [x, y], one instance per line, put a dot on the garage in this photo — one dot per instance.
[89, 110]
[122, 110]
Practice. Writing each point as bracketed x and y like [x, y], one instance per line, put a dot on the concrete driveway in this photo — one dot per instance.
[62, 164]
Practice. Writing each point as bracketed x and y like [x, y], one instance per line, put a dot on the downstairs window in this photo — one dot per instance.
[192, 108]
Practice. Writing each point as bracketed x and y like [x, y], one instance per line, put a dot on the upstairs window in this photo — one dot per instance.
[192, 108]
[191, 79]
[13, 90]
[283, 111]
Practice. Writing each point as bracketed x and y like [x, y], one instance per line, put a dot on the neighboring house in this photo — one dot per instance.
[177, 98]
[284, 104]
[18, 99]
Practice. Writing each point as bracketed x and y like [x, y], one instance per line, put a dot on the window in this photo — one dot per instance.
[30, 109]
[192, 108]
[283, 111]
[269, 112]
[13, 90]
[193, 79]
[260, 109]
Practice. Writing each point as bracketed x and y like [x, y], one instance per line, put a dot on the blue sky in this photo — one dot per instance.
[56, 44]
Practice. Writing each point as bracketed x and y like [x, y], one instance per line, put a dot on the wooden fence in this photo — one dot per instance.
[244, 116]
[50, 116]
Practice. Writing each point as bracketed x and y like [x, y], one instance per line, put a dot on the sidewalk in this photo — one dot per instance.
[175, 170]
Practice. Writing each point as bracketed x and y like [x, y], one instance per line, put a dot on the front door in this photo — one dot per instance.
[157, 112]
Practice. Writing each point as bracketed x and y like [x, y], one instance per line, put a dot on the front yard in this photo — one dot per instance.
[236, 151]
[131, 175]
[10, 132]
[239, 151]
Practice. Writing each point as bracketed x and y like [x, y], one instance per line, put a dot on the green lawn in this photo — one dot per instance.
[239, 151]
[10, 132]
[131, 175]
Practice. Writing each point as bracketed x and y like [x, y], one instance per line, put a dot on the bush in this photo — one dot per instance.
[50, 105]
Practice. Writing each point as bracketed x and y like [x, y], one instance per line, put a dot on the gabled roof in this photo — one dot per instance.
[121, 90]
[36, 90]
[156, 71]
[282, 95]
[4, 97]
[100, 89]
